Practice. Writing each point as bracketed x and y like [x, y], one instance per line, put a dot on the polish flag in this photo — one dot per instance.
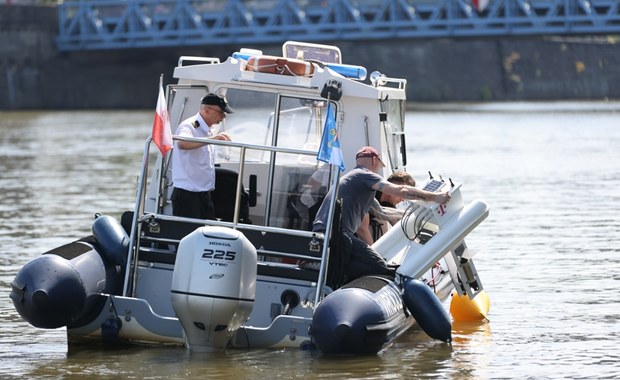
[480, 5]
[162, 137]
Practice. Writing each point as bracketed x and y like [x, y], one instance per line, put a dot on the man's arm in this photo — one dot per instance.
[188, 145]
[392, 215]
[410, 192]
[363, 232]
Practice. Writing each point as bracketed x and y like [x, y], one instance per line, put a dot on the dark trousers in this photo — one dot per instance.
[364, 259]
[351, 258]
[192, 204]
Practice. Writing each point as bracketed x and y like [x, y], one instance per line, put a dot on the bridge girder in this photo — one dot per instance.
[105, 24]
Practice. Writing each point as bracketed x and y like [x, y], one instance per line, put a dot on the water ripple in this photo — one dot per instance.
[548, 252]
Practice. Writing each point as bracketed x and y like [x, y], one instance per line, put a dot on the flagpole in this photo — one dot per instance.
[328, 228]
[165, 159]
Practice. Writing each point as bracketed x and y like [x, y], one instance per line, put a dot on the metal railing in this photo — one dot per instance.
[114, 24]
[139, 214]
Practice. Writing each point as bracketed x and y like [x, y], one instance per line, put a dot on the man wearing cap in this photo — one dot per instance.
[357, 190]
[193, 170]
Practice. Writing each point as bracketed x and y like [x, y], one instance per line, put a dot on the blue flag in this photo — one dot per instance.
[329, 151]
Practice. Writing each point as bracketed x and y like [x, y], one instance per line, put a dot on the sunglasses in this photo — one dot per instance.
[218, 110]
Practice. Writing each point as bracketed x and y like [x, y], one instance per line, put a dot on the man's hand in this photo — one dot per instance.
[222, 136]
[442, 198]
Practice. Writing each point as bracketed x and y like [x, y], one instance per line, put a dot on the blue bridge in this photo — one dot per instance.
[118, 24]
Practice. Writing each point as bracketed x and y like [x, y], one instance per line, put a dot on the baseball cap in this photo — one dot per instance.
[216, 100]
[367, 151]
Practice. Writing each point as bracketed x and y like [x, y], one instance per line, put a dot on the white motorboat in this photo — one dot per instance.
[258, 277]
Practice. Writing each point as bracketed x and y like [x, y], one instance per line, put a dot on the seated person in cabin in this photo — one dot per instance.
[193, 170]
[313, 191]
[381, 217]
[356, 191]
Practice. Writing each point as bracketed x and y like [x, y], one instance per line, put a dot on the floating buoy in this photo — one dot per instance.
[464, 309]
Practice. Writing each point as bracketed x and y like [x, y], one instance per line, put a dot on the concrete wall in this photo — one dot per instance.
[34, 75]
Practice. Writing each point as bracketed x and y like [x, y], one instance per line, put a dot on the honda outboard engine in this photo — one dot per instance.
[213, 285]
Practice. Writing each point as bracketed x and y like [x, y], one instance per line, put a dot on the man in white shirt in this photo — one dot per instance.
[193, 170]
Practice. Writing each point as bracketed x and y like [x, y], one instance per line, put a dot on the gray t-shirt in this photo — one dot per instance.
[355, 190]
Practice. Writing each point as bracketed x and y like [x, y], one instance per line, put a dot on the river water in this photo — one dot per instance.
[548, 255]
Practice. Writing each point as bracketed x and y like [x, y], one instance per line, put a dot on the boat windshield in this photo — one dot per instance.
[273, 120]
[286, 192]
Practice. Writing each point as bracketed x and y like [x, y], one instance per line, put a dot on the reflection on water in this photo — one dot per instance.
[548, 253]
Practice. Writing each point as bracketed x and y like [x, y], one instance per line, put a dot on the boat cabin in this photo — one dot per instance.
[276, 131]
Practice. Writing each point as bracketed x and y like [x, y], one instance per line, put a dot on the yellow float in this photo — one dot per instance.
[464, 309]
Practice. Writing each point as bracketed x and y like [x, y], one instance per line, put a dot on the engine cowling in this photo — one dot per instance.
[213, 285]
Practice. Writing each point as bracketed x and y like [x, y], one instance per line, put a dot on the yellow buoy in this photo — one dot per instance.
[464, 309]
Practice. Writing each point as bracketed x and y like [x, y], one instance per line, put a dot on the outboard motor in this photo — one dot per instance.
[213, 285]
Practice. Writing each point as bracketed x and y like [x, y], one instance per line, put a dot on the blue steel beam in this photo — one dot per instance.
[114, 24]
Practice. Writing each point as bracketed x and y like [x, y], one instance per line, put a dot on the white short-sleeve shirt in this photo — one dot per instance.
[193, 169]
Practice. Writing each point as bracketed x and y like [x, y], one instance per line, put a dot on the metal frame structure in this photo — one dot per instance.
[118, 24]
